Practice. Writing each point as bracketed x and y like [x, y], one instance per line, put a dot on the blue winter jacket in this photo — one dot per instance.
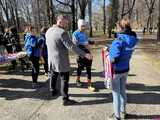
[31, 45]
[121, 50]
[42, 43]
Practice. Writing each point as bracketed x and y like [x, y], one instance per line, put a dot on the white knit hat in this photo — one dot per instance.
[81, 22]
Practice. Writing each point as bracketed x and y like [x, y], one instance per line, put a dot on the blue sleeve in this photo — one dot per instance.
[74, 38]
[41, 41]
[33, 41]
[115, 50]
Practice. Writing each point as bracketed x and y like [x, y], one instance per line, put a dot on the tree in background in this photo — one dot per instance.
[127, 8]
[113, 15]
[150, 5]
[50, 12]
[104, 16]
[82, 6]
[158, 25]
[90, 17]
[68, 4]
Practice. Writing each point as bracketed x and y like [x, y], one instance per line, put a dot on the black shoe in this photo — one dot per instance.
[113, 117]
[69, 102]
[54, 93]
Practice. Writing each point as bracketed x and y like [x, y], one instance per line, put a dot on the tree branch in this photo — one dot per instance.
[65, 4]
[129, 9]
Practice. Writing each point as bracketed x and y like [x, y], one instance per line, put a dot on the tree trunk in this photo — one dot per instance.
[38, 13]
[82, 5]
[73, 16]
[90, 17]
[158, 26]
[82, 14]
[76, 13]
[104, 17]
[5, 10]
[16, 14]
[52, 12]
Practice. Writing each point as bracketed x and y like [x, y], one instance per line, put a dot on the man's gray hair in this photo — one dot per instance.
[61, 17]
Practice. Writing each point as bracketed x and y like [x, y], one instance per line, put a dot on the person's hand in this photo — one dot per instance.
[88, 56]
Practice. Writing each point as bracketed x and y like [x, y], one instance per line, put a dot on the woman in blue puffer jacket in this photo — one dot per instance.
[120, 54]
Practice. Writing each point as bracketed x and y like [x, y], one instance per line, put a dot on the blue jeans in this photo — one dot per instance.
[119, 94]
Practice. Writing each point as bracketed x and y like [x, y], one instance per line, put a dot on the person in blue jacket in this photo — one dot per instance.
[32, 48]
[44, 53]
[120, 53]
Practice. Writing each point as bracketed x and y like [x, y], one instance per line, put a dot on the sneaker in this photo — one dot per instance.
[79, 83]
[113, 117]
[124, 115]
[91, 88]
[46, 74]
[69, 102]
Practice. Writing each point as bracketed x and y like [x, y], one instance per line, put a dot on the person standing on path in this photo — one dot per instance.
[32, 48]
[43, 48]
[120, 54]
[58, 43]
[80, 39]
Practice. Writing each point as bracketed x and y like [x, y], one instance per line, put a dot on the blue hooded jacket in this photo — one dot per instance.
[42, 43]
[121, 50]
[31, 45]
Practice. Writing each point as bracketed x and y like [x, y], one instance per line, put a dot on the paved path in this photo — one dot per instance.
[19, 102]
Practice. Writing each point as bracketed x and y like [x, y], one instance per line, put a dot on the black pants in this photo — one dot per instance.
[35, 68]
[84, 63]
[45, 58]
[64, 77]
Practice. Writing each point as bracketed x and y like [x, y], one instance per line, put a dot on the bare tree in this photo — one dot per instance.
[82, 5]
[128, 5]
[113, 16]
[150, 6]
[4, 4]
[158, 25]
[50, 12]
[90, 17]
[71, 4]
[104, 16]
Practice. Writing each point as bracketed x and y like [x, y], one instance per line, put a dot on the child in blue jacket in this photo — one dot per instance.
[120, 53]
[32, 48]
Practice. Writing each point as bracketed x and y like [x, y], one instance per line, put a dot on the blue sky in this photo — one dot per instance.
[98, 3]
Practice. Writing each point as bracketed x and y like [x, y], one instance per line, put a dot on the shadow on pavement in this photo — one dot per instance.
[99, 85]
[144, 98]
[142, 87]
[16, 83]
[144, 117]
[19, 72]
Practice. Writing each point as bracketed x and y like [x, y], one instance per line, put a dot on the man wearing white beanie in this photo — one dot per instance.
[80, 38]
[81, 22]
